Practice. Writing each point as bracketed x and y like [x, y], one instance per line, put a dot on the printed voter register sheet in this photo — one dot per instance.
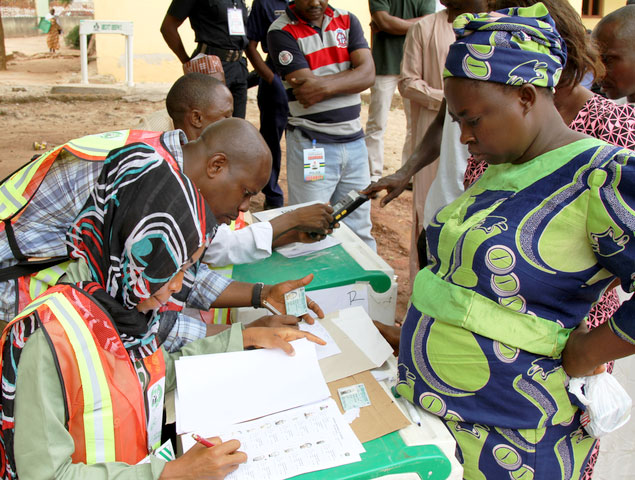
[301, 440]
[286, 428]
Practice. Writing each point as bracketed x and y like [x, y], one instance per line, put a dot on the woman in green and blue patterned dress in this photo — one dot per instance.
[517, 261]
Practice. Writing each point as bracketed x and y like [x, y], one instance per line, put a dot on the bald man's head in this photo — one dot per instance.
[615, 38]
[240, 140]
[229, 163]
[624, 21]
[196, 100]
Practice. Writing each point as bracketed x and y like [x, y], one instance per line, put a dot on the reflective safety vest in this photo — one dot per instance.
[107, 408]
[17, 190]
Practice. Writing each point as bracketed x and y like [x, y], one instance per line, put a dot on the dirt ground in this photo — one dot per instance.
[30, 113]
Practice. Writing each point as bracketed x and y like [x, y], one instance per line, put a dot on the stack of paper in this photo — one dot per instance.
[222, 389]
[362, 346]
[305, 439]
[217, 392]
[317, 329]
[299, 249]
[267, 215]
[296, 249]
[279, 406]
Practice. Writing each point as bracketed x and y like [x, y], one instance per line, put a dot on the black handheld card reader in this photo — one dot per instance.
[345, 207]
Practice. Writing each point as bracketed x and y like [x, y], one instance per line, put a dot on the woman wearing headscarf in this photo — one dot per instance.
[83, 376]
[53, 36]
[518, 260]
[580, 108]
[584, 112]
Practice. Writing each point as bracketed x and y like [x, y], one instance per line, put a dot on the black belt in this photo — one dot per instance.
[224, 55]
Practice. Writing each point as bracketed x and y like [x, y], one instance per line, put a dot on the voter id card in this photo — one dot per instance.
[295, 302]
[353, 396]
[235, 21]
[314, 164]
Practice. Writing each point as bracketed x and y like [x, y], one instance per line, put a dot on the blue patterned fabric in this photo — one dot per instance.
[502, 244]
[511, 46]
[559, 452]
[528, 248]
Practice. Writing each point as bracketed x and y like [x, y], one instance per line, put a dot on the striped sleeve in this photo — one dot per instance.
[356, 39]
[285, 52]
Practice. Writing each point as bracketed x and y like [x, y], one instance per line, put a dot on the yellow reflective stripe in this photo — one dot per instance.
[42, 280]
[99, 429]
[12, 191]
[37, 287]
[218, 317]
[221, 315]
[100, 144]
[32, 307]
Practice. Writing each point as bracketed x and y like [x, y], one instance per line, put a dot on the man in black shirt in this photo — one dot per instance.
[219, 27]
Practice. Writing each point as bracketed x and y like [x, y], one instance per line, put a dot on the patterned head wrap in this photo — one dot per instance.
[511, 46]
[143, 221]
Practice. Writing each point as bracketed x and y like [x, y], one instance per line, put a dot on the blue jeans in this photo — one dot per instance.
[346, 170]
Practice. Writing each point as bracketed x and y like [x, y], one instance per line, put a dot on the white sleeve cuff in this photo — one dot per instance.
[234, 247]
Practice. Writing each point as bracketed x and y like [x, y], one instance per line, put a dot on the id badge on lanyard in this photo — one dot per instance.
[314, 164]
[164, 452]
[235, 23]
[155, 400]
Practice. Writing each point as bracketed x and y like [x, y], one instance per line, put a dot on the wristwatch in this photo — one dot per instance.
[256, 295]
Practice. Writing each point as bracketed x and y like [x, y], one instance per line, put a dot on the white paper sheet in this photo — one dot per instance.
[299, 249]
[338, 298]
[322, 351]
[359, 327]
[301, 440]
[267, 215]
[226, 388]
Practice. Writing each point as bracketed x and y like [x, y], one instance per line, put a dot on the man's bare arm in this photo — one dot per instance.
[258, 63]
[426, 151]
[388, 23]
[170, 32]
[310, 89]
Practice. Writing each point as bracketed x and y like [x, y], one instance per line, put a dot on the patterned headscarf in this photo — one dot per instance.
[143, 221]
[511, 46]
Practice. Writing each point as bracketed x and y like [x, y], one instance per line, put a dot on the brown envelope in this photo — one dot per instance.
[381, 417]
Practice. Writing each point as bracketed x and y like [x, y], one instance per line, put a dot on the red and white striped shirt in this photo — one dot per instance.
[295, 44]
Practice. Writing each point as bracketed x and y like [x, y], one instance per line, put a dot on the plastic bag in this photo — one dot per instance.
[202, 63]
[608, 406]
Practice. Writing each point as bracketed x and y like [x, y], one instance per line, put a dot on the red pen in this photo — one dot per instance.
[202, 441]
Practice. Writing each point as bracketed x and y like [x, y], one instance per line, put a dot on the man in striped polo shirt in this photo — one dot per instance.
[323, 58]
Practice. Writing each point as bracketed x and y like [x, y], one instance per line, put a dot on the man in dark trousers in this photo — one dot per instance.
[219, 27]
[272, 97]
